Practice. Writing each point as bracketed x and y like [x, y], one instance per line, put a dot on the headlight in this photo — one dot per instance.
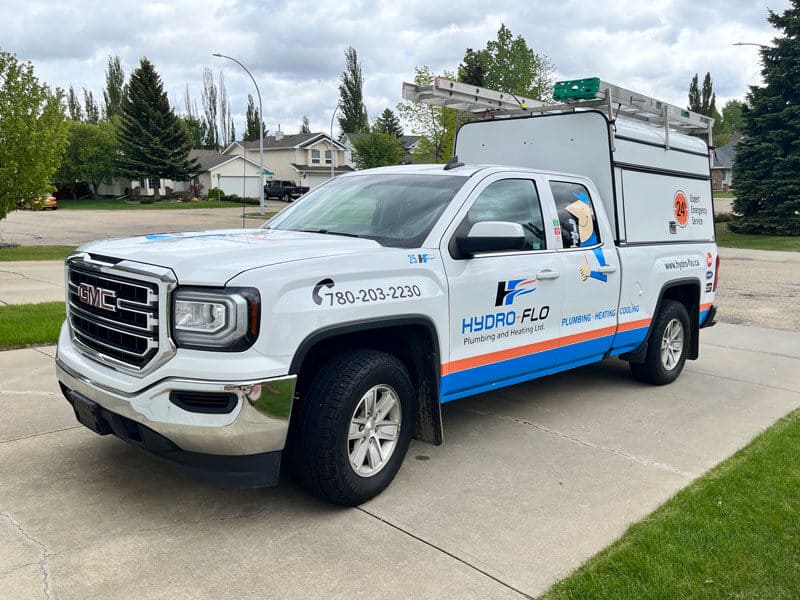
[215, 319]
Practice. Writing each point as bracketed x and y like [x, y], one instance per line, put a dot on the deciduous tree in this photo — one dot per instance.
[90, 155]
[434, 124]
[377, 149]
[74, 105]
[209, 100]
[353, 117]
[766, 171]
[252, 120]
[153, 143]
[33, 133]
[305, 126]
[115, 88]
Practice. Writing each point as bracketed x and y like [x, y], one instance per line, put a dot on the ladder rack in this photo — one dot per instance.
[573, 95]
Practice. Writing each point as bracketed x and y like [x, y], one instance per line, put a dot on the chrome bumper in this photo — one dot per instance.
[260, 425]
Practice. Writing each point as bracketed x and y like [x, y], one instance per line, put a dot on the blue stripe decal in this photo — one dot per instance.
[625, 341]
[523, 368]
[704, 316]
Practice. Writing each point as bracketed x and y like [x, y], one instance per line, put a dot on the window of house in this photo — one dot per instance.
[576, 215]
[315, 157]
[327, 157]
[514, 200]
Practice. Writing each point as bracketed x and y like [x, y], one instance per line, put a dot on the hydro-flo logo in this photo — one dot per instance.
[507, 322]
[508, 291]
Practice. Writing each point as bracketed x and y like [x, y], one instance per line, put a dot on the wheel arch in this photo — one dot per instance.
[412, 338]
[687, 292]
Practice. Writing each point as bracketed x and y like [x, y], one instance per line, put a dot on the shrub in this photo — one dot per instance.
[145, 199]
[216, 194]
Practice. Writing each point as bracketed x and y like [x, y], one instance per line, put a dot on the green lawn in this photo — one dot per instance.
[35, 253]
[729, 239]
[724, 194]
[116, 204]
[30, 324]
[733, 533]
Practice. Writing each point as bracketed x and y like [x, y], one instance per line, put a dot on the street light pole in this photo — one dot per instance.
[333, 115]
[260, 132]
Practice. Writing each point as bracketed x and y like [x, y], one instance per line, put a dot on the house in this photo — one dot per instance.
[233, 174]
[303, 157]
[722, 167]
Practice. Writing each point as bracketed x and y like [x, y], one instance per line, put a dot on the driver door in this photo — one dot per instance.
[505, 305]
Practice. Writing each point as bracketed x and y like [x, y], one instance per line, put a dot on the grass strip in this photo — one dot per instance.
[35, 253]
[729, 239]
[24, 325]
[733, 533]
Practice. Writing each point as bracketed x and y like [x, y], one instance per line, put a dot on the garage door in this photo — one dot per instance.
[235, 185]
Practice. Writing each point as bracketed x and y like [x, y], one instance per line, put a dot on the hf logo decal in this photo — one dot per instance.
[508, 291]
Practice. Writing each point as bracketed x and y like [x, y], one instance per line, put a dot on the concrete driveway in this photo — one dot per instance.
[531, 481]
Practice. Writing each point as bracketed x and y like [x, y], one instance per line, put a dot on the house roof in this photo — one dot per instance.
[297, 140]
[322, 169]
[724, 156]
[406, 141]
[208, 159]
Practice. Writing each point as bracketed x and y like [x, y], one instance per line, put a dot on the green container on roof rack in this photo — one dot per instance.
[576, 89]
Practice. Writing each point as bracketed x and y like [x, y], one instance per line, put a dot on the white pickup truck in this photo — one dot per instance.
[329, 337]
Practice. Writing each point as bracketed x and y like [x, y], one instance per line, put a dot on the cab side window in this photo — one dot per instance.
[514, 200]
[576, 215]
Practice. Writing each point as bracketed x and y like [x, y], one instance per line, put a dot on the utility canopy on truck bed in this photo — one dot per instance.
[636, 150]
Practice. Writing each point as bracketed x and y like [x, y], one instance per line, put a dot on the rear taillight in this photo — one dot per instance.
[716, 275]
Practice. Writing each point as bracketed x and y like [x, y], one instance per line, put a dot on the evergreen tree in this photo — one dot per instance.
[252, 119]
[153, 143]
[115, 88]
[766, 172]
[389, 123]
[351, 95]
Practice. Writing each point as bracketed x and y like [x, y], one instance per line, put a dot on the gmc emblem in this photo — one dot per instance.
[97, 296]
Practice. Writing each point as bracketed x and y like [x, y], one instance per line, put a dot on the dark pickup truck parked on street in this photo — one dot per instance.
[283, 189]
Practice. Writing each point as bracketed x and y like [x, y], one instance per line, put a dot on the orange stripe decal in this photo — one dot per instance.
[705, 306]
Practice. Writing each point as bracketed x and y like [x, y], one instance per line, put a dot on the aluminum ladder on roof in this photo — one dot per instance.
[574, 95]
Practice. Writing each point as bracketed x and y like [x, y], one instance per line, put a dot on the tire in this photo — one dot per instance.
[667, 347]
[287, 198]
[322, 457]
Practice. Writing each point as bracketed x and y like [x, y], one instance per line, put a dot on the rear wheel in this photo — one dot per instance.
[353, 428]
[667, 346]
[287, 198]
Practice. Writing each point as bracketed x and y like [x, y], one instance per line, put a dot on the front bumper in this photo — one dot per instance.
[236, 450]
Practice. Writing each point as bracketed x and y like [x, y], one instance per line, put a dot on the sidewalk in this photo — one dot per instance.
[31, 282]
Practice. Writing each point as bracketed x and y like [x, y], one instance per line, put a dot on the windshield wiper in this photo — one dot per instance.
[328, 232]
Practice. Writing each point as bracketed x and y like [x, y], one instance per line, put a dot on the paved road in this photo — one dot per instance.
[531, 481]
[73, 227]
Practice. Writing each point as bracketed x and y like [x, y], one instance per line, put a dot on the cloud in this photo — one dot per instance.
[295, 49]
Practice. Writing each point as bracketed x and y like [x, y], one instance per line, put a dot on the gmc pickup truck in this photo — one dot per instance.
[329, 337]
[288, 191]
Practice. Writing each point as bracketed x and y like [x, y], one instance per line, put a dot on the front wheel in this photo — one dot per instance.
[287, 198]
[353, 428]
[667, 346]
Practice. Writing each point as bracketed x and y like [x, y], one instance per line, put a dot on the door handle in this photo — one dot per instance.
[607, 269]
[548, 274]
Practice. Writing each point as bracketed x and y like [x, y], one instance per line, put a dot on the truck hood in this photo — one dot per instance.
[214, 257]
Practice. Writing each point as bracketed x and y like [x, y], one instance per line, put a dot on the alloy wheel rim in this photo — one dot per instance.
[672, 344]
[374, 430]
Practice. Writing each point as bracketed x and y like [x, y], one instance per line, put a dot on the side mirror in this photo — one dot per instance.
[492, 236]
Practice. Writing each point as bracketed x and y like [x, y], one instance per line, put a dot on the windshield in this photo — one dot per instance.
[394, 210]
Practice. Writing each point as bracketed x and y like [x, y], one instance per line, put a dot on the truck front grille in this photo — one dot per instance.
[115, 318]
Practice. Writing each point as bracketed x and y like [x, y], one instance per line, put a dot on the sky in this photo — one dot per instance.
[295, 50]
